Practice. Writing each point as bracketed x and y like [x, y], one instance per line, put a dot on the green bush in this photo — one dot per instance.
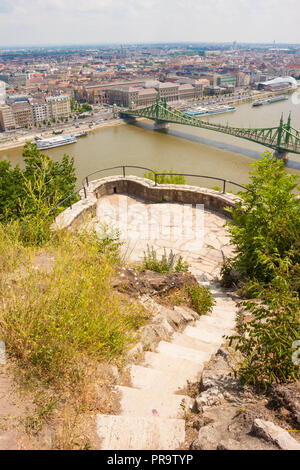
[266, 341]
[166, 265]
[165, 179]
[201, 299]
[266, 220]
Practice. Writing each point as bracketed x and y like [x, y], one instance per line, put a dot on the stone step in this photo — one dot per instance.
[148, 378]
[149, 403]
[166, 363]
[180, 352]
[220, 312]
[228, 307]
[209, 334]
[225, 324]
[139, 433]
[221, 302]
[184, 341]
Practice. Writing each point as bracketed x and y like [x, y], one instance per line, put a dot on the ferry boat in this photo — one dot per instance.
[81, 134]
[52, 142]
[208, 111]
[270, 101]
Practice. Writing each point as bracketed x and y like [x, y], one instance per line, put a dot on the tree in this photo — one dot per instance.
[19, 188]
[11, 190]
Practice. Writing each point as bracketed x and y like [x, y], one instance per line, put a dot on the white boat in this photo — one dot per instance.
[211, 110]
[52, 142]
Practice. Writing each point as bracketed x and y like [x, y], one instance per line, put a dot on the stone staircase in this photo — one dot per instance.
[152, 409]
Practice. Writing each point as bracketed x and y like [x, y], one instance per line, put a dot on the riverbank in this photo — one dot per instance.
[19, 141]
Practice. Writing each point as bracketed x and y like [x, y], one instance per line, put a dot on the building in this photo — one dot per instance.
[17, 79]
[22, 112]
[2, 93]
[91, 95]
[278, 84]
[226, 80]
[186, 91]
[242, 79]
[58, 106]
[7, 120]
[146, 97]
[124, 95]
[168, 91]
[17, 98]
[40, 112]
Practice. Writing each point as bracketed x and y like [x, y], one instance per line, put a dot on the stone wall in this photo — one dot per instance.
[145, 189]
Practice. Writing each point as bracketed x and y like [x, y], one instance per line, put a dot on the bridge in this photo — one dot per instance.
[283, 139]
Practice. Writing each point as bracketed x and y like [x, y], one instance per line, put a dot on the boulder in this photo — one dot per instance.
[274, 434]
[207, 439]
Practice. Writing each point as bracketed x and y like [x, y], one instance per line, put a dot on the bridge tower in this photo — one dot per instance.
[279, 153]
[160, 125]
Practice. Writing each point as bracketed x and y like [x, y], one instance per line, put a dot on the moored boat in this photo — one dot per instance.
[52, 142]
[209, 111]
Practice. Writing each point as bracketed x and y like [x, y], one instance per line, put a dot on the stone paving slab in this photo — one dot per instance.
[139, 433]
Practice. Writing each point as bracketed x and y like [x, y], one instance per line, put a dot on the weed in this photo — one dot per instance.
[201, 299]
[166, 265]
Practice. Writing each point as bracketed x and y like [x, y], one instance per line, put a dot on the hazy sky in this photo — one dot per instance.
[36, 22]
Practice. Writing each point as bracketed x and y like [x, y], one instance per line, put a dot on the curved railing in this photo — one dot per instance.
[86, 180]
[123, 167]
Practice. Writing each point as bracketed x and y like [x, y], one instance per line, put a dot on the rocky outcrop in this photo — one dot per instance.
[143, 282]
[285, 400]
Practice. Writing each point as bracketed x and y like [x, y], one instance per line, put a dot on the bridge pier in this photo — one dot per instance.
[127, 117]
[161, 125]
[281, 155]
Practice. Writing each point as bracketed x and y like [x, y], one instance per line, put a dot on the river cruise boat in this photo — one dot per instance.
[52, 142]
[198, 112]
[270, 101]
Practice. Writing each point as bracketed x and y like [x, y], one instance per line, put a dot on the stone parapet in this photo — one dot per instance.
[145, 189]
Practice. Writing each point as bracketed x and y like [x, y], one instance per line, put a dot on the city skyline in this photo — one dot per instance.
[71, 22]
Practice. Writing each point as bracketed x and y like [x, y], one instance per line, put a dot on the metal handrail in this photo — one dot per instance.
[201, 176]
[66, 199]
[85, 180]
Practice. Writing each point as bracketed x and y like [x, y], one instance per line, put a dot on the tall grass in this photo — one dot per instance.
[52, 321]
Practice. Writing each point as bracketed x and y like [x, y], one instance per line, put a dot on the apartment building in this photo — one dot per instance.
[40, 112]
[58, 106]
[22, 112]
[2, 93]
[242, 79]
[7, 120]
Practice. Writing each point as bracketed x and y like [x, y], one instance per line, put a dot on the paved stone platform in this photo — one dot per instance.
[189, 230]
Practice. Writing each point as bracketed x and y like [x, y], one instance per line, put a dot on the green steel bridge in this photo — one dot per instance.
[282, 139]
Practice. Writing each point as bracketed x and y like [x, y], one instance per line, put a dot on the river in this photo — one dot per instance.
[182, 148]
